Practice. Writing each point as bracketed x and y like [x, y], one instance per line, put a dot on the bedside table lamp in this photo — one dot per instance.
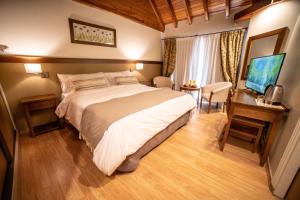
[34, 68]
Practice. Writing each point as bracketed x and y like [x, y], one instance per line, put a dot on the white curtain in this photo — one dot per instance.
[184, 51]
[198, 58]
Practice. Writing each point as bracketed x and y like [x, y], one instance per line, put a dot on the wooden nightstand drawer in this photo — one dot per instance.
[42, 105]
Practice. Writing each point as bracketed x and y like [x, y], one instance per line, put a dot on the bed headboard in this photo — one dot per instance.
[17, 84]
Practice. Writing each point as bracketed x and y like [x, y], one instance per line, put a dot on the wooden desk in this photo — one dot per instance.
[243, 104]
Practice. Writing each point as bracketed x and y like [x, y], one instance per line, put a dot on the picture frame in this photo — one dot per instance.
[92, 34]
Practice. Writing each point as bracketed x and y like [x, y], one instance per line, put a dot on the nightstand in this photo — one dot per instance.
[38, 103]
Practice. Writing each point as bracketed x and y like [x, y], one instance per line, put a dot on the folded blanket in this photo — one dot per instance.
[97, 117]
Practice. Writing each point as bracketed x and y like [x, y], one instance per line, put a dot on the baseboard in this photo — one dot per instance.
[269, 175]
[16, 176]
[269, 168]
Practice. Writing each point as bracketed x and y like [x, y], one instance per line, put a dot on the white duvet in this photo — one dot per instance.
[125, 136]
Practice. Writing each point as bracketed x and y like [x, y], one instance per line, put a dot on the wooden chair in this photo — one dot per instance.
[246, 127]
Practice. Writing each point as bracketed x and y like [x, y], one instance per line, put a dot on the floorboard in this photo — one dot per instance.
[188, 165]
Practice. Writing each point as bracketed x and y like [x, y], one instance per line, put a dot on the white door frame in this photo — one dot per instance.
[288, 165]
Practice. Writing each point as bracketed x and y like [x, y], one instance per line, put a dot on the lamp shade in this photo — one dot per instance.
[139, 66]
[33, 68]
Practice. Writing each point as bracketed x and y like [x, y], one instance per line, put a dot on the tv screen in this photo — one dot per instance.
[264, 71]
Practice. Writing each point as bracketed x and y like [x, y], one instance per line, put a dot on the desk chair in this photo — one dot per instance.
[241, 126]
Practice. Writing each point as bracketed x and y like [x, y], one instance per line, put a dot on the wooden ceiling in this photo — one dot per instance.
[158, 13]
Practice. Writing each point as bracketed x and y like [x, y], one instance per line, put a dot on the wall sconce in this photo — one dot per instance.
[139, 66]
[33, 68]
[3, 48]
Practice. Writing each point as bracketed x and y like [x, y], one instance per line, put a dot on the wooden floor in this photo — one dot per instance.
[188, 165]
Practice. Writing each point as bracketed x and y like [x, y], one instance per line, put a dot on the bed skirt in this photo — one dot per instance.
[132, 161]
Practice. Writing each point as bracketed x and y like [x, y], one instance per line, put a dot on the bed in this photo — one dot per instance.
[121, 123]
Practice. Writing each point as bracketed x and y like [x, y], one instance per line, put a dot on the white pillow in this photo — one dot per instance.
[126, 80]
[67, 79]
[110, 76]
[88, 84]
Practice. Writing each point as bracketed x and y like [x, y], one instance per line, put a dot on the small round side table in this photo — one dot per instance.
[190, 89]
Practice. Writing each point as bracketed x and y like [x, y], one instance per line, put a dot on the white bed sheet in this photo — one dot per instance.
[125, 136]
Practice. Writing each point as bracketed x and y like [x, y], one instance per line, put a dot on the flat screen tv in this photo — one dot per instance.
[263, 72]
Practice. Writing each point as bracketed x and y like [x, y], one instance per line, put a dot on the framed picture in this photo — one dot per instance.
[92, 34]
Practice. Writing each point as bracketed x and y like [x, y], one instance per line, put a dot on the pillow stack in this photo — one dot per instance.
[89, 84]
[77, 82]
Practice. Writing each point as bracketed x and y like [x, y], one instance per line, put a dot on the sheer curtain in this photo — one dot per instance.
[198, 58]
[184, 57]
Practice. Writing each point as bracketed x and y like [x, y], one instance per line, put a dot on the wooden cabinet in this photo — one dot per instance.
[35, 103]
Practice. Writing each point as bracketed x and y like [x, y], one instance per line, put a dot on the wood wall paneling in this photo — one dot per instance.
[46, 59]
[18, 84]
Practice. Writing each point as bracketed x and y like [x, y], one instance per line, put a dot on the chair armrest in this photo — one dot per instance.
[220, 89]
[207, 88]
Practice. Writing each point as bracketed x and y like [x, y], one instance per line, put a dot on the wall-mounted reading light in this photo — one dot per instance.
[3, 48]
[139, 66]
[33, 68]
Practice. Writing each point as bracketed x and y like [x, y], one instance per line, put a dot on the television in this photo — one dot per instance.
[263, 72]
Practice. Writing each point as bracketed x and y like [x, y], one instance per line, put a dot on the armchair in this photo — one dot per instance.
[215, 93]
[161, 81]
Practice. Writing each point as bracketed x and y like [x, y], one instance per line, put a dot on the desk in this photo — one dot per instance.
[244, 104]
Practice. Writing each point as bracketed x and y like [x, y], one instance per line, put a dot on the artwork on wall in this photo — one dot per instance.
[92, 34]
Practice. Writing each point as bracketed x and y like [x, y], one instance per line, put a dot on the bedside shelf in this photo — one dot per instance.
[35, 103]
[46, 127]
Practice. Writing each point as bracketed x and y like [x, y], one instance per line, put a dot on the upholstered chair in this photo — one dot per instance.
[161, 81]
[215, 93]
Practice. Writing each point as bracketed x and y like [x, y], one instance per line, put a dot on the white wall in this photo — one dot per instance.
[217, 22]
[40, 27]
[275, 17]
[283, 14]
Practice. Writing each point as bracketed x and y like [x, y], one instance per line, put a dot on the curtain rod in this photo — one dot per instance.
[204, 34]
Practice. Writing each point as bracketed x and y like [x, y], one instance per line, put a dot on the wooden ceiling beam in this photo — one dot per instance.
[160, 21]
[247, 13]
[205, 8]
[140, 12]
[172, 12]
[227, 7]
[187, 11]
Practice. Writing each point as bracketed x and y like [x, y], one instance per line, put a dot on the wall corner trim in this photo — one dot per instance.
[288, 164]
